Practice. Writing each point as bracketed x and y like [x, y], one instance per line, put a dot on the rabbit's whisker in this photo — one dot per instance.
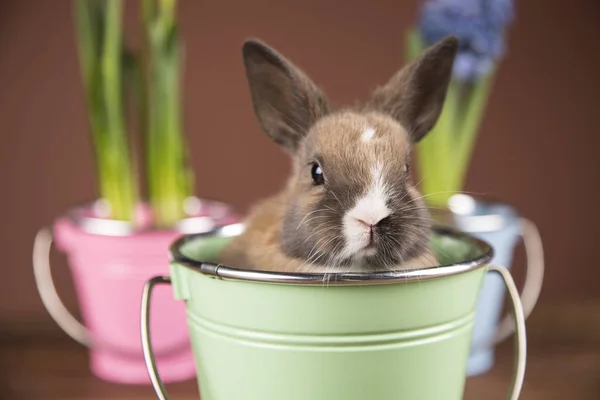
[310, 213]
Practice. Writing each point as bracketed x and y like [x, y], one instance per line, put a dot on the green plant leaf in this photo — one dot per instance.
[99, 42]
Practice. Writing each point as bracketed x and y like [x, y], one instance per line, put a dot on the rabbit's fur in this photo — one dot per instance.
[349, 204]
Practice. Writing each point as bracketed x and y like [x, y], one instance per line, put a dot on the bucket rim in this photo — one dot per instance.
[476, 214]
[82, 216]
[340, 278]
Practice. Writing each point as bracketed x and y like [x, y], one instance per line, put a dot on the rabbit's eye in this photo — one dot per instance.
[317, 174]
[406, 167]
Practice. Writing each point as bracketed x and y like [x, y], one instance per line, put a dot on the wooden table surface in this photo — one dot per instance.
[563, 363]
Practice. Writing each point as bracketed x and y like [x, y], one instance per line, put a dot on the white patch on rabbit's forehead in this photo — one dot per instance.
[368, 209]
[368, 134]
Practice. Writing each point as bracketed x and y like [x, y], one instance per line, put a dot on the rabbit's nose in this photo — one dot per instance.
[372, 221]
[366, 224]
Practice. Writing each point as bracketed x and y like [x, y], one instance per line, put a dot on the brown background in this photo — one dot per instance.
[538, 147]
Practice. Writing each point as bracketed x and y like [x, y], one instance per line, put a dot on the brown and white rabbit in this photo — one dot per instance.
[349, 204]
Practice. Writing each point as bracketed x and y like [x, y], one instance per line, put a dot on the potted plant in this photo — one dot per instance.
[116, 243]
[443, 157]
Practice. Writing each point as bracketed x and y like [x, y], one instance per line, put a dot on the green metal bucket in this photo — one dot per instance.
[377, 336]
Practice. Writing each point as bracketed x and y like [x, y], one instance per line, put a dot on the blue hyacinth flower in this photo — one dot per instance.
[479, 26]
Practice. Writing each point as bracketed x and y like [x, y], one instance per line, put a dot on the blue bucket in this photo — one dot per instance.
[503, 228]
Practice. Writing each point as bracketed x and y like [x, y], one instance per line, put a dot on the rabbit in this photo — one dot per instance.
[349, 204]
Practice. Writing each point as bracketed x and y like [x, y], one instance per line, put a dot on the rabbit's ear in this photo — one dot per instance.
[285, 100]
[415, 95]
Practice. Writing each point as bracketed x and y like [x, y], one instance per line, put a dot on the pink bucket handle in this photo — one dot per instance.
[45, 286]
[56, 308]
[534, 276]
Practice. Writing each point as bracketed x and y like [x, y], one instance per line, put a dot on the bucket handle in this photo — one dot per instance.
[534, 276]
[70, 325]
[157, 383]
[520, 352]
[516, 311]
[45, 286]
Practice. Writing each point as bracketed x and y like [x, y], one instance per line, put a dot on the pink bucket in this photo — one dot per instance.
[110, 266]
